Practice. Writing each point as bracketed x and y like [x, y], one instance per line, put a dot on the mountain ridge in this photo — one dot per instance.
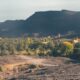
[43, 22]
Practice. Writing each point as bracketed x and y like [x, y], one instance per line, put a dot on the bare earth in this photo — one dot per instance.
[19, 67]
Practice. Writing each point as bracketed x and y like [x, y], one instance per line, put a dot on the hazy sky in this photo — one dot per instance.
[22, 9]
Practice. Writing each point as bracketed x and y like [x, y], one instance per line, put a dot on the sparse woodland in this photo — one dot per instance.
[45, 46]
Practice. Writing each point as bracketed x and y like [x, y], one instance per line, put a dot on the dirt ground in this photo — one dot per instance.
[20, 67]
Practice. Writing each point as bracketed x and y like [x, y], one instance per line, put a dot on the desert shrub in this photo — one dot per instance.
[1, 69]
[32, 66]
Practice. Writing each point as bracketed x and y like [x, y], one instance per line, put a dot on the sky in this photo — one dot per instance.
[22, 9]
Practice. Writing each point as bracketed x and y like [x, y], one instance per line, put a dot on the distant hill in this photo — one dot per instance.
[44, 22]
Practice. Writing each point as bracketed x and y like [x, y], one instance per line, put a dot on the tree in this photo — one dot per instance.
[67, 48]
[76, 53]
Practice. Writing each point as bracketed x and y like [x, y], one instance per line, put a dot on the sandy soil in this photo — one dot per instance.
[35, 68]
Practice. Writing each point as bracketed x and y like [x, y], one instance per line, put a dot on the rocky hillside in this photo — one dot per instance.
[44, 22]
